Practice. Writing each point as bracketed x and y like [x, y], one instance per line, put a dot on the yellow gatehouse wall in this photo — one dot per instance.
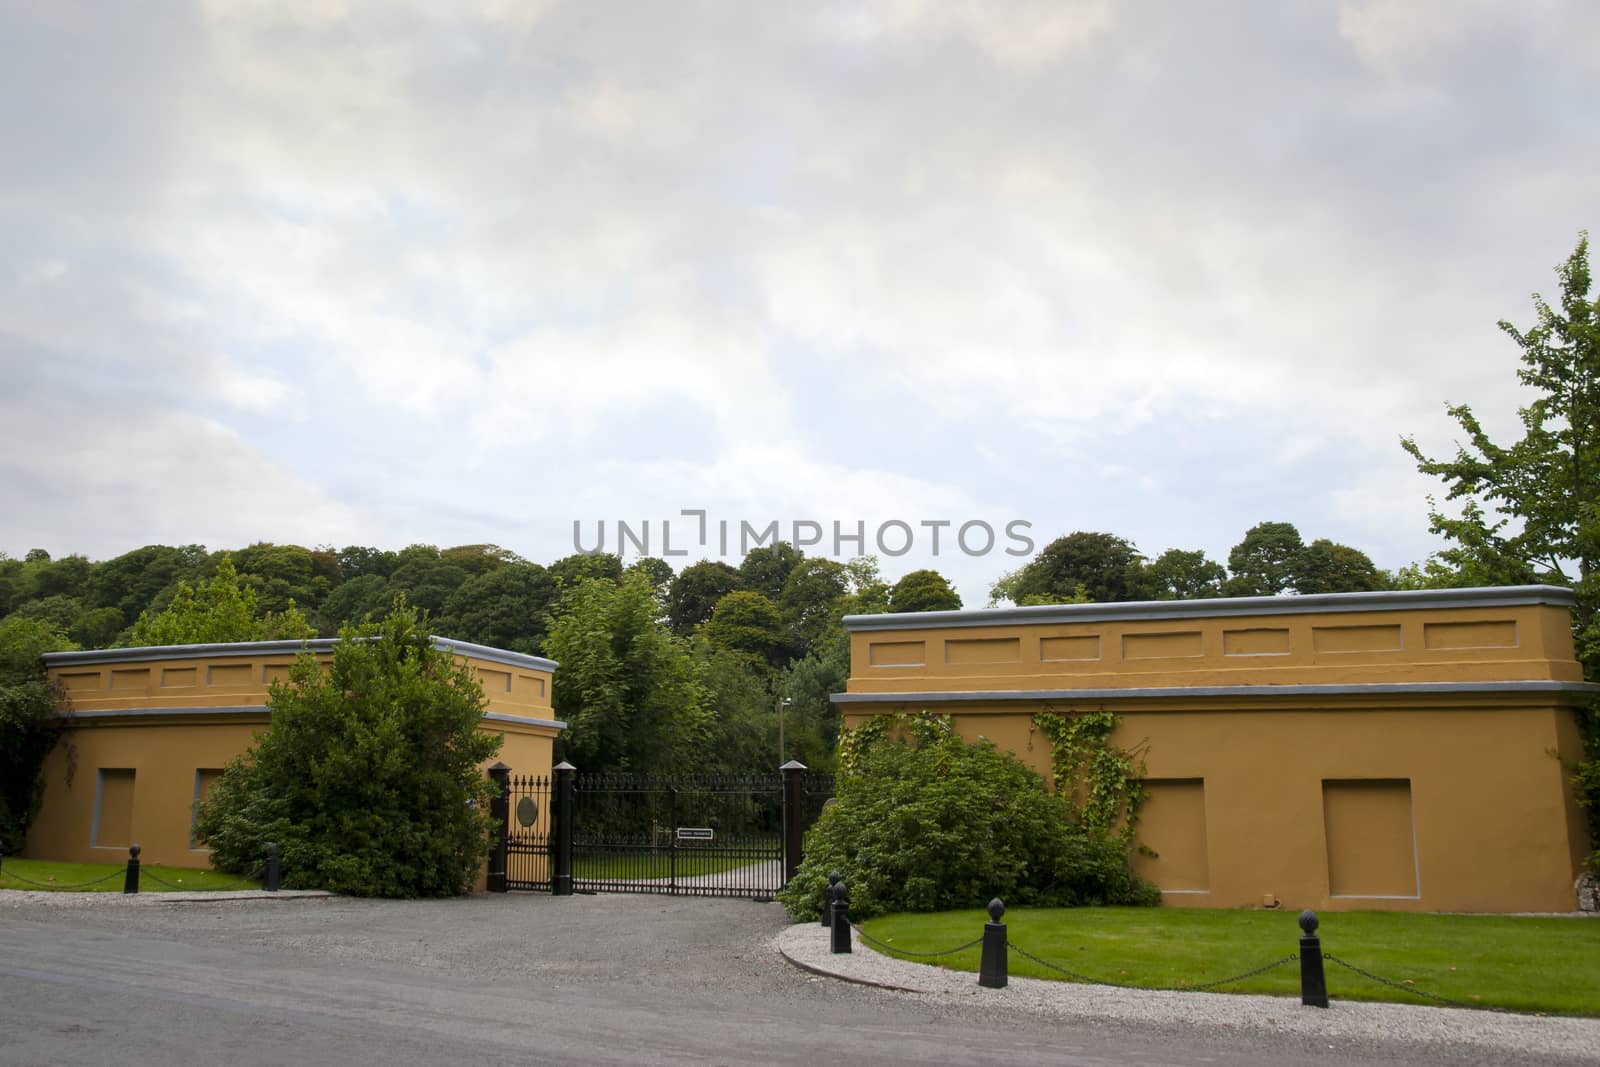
[1398, 750]
[148, 729]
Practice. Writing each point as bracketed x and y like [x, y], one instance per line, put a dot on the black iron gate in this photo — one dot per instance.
[715, 836]
[528, 860]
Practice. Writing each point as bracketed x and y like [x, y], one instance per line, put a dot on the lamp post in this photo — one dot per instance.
[783, 703]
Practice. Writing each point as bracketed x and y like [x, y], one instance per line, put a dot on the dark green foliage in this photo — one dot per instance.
[480, 559]
[130, 582]
[927, 822]
[1177, 574]
[222, 609]
[747, 623]
[568, 571]
[356, 600]
[507, 607]
[368, 780]
[924, 590]
[427, 583]
[26, 731]
[1099, 566]
[358, 560]
[627, 688]
[809, 684]
[1263, 564]
[695, 592]
[766, 568]
[1329, 567]
[812, 598]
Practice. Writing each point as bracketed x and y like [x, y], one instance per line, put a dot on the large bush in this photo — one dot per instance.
[923, 821]
[27, 732]
[368, 779]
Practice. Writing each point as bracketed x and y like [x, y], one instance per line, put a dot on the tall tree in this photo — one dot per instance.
[1531, 510]
[1178, 574]
[1101, 566]
[1329, 567]
[695, 592]
[568, 570]
[627, 688]
[1263, 564]
[748, 623]
[813, 598]
[923, 590]
[507, 607]
[766, 568]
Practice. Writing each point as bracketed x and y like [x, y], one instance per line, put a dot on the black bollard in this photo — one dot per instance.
[992, 964]
[130, 884]
[274, 872]
[840, 910]
[1313, 982]
[827, 898]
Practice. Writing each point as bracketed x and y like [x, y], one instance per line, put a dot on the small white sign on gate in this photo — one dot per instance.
[695, 833]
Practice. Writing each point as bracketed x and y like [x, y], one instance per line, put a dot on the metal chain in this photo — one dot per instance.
[52, 885]
[190, 889]
[1413, 990]
[1190, 988]
[905, 952]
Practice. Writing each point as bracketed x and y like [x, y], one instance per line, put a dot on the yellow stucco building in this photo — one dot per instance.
[149, 730]
[1400, 750]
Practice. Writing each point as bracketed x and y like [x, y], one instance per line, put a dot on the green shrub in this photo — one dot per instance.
[27, 728]
[368, 779]
[923, 821]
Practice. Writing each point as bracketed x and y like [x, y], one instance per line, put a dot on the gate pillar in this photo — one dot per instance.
[561, 847]
[500, 814]
[793, 818]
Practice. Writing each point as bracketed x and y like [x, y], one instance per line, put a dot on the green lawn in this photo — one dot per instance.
[1527, 964]
[68, 877]
[640, 866]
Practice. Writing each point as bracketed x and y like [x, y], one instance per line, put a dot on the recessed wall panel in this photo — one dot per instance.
[113, 808]
[229, 674]
[1185, 644]
[494, 681]
[1372, 849]
[1497, 633]
[179, 677]
[1062, 649]
[972, 650]
[1172, 824]
[1355, 639]
[131, 678]
[1255, 642]
[897, 653]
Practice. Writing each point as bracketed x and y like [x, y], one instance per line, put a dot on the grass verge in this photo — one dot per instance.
[108, 877]
[1530, 964]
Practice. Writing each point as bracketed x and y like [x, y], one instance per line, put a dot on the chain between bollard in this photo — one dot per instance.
[118, 873]
[869, 939]
[145, 872]
[1423, 993]
[1195, 987]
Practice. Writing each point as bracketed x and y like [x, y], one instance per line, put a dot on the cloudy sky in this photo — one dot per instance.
[350, 272]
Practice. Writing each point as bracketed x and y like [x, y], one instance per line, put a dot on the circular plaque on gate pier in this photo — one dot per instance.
[527, 811]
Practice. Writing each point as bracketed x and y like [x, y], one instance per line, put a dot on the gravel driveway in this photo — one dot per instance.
[532, 978]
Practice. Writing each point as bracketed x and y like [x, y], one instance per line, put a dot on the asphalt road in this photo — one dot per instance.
[515, 979]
